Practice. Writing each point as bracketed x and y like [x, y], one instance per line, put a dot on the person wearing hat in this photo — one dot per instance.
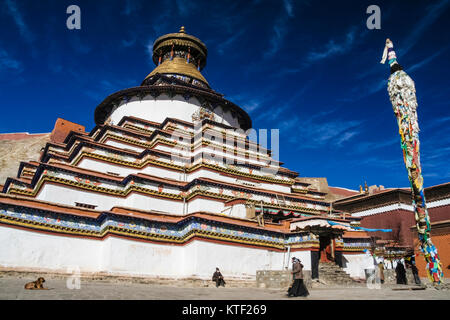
[218, 278]
[298, 288]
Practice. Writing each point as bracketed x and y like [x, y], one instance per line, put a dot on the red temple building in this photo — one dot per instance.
[381, 208]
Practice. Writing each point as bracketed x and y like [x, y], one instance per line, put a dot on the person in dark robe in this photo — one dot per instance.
[400, 273]
[218, 278]
[415, 273]
[298, 288]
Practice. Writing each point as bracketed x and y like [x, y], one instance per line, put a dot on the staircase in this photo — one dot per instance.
[332, 274]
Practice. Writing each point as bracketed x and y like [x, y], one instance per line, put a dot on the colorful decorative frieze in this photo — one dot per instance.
[196, 187]
[162, 162]
[178, 232]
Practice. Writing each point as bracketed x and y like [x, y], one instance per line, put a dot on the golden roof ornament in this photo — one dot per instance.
[181, 55]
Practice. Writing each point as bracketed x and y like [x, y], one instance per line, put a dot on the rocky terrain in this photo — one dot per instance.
[15, 148]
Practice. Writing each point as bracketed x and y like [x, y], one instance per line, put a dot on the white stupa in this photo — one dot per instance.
[167, 185]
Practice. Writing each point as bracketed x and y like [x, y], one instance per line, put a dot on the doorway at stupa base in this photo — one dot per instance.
[327, 253]
[327, 248]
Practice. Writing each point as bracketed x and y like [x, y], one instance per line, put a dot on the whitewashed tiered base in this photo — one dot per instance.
[28, 250]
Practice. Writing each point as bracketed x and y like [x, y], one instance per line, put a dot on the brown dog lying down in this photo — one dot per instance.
[36, 285]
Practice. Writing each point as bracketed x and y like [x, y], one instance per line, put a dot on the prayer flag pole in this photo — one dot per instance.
[402, 94]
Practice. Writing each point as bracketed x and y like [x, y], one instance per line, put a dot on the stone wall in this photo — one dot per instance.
[279, 279]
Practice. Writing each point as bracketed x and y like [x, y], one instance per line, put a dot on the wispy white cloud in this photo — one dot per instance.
[221, 48]
[131, 6]
[185, 7]
[423, 62]
[375, 87]
[226, 19]
[435, 163]
[129, 43]
[435, 155]
[15, 13]
[434, 11]
[310, 133]
[8, 62]
[116, 84]
[160, 26]
[289, 7]
[367, 88]
[318, 130]
[440, 121]
[105, 87]
[279, 31]
[280, 28]
[276, 109]
[370, 146]
[393, 164]
[252, 105]
[440, 175]
[333, 47]
[248, 102]
[345, 137]
[364, 90]
[272, 113]
[287, 71]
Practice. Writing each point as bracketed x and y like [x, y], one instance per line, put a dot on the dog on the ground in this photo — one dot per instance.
[36, 285]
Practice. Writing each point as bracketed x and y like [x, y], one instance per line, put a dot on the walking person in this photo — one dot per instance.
[218, 278]
[298, 288]
[400, 273]
[381, 268]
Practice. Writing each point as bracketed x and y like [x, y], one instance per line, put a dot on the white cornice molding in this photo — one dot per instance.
[399, 206]
[438, 203]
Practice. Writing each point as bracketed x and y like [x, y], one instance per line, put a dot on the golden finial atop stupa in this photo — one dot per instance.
[179, 54]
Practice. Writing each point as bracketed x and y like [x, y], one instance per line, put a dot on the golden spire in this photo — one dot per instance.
[181, 30]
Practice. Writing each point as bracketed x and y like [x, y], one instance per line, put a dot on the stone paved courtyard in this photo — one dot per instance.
[12, 288]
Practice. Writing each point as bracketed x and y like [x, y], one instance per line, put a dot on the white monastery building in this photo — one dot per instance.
[168, 185]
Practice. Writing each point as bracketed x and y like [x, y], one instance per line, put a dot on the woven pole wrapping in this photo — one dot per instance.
[402, 94]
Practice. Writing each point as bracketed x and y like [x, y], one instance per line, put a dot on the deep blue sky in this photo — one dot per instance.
[310, 68]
